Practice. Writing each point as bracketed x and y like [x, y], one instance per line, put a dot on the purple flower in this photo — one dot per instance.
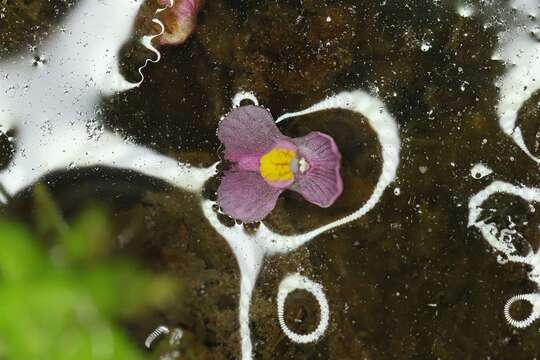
[265, 163]
[179, 20]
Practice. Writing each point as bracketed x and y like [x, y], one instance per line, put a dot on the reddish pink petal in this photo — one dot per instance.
[248, 131]
[321, 184]
[244, 195]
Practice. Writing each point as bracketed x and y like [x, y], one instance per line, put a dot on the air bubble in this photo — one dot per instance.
[425, 47]
[480, 170]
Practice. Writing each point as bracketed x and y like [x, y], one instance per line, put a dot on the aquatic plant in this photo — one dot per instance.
[266, 162]
[179, 20]
[66, 302]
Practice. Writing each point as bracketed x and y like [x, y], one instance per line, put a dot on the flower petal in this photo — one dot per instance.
[322, 183]
[244, 195]
[179, 20]
[248, 130]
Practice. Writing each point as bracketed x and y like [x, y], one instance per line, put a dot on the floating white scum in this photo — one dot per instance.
[51, 106]
[502, 242]
[519, 48]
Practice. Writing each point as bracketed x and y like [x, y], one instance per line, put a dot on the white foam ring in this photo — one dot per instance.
[298, 282]
[521, 52]
[501, 241]
[533, 299]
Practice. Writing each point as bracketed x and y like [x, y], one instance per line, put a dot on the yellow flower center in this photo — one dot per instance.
[276, 165]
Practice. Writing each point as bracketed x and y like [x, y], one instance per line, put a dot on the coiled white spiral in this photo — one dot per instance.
[533, 299]
[146, 41]
[155, 334]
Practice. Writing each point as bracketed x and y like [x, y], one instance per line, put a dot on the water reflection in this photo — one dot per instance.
[54, 107]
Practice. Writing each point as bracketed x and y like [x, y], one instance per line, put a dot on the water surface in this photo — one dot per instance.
[410, 279]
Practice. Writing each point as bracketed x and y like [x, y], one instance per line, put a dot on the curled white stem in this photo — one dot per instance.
[160, 330]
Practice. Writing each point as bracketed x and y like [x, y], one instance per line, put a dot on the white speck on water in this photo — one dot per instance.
[423, 169]
[465, 10]
[535, 32]
[425, 46]
[479, 171]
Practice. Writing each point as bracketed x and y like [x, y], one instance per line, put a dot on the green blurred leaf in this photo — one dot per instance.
[88, 236]
[20, 257]
[47, 216]
[69, 311]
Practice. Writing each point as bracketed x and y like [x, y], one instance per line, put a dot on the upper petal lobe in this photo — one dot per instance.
[246, 131]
